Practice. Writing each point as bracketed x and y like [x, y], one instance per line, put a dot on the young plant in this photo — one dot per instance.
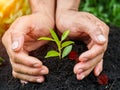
[64, 47]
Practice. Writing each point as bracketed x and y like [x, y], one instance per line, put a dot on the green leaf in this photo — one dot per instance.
[66, 43]
[55, 37]
[66, 51]
[45, 38]
[64, 35]
[52, 53]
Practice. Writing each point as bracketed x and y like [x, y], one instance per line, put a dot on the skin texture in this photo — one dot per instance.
[21, 38]
[88, 28]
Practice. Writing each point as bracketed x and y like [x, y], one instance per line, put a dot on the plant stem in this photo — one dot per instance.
[60, 50]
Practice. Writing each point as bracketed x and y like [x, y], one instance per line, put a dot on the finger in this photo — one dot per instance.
[29, 78]
[29, 70]
[90, 44]
[83, 66]
[92, 53]
[26, 60]
[82, 75]
[98, 69]
[18, 31]
[95, 32]
[103, 27]
[17, 40]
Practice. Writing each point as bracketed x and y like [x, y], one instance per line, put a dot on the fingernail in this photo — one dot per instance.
[15, 45]
[101, 38]
[98, 72]
[39, 80]
[82, 77]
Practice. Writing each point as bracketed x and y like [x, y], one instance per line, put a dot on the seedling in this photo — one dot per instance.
[63, 47]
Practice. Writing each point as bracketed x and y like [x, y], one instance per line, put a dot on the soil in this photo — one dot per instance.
[61, 76]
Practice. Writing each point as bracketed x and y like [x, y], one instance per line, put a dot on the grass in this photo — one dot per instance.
[107, 10]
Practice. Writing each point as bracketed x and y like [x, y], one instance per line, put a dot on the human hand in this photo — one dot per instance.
[93, 32]
[20, 39]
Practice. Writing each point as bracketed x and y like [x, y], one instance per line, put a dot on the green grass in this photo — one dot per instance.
[107, 10]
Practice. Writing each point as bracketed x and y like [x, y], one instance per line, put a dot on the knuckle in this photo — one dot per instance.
[86, 66]
[13, 58]
[14, 74]
[92, 55]
[16, 69]
[107, 28]
[13, 66]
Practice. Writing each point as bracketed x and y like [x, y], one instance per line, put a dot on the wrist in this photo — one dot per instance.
[42, 6]
[67, 5]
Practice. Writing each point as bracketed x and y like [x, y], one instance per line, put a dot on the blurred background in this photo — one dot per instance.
[10, 10]
[107, 10]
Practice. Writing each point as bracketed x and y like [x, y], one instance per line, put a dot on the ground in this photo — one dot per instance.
[61, 76]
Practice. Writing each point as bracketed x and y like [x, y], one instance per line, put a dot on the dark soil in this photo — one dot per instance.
[61, 76]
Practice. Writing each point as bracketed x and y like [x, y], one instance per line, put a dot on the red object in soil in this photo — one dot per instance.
[73, 55]
[103, 79]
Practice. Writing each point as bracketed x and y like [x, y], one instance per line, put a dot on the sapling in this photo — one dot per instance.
[63, 47]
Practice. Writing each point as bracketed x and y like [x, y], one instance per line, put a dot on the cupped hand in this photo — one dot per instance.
[20, 39]
[90, 30]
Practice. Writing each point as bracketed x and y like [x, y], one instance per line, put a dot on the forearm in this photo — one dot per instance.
[63, 5]
[41, 6]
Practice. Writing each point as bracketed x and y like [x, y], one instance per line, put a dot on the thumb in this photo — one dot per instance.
[17, 41]
[96, 34]
[18, 31]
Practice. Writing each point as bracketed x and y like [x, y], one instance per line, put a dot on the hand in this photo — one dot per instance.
[93, 32]
[20, 39]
